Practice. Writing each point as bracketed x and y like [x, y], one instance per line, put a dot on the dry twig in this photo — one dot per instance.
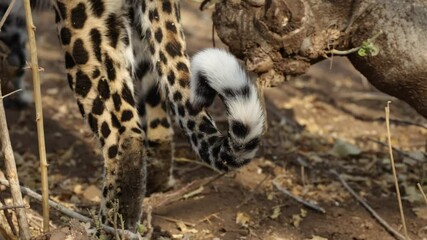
[389, 228]
[390, 149]
[11, 93]
[298, 199]
[12, 174]
[5, 207]
[39, 113]
[8, 217]
[6, 14]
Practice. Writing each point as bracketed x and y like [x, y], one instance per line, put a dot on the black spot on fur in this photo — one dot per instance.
[153, 96]
[93, 123]
[158, 35]
[112, 151]
[177, 11]
[96, 73]
[70, 80]
[117, 101]
[95, 36]
[163, 58]
[105, 130]
[78, 16]
[159, 69]
[177, 96]
[81, 56]
[167, 6]
[239, 129]
[136, 130]
[127, 115]
[181, 110]
[184, 83]
[104, 89]
[194, 139]
[191, 124]
[170, 26]
[65, 36]
[165, 123]
[204, 91]
[154, 123]
[115, 121]
[127, 95]
[113, 31]
[142, 69]
[153, 15]
[109, 67]
[233, 93]
[143, 6]
[191, 110]
[182, 67]
[206, 126]
[141, 108]
[83, 84]
[98, 106]
[62, 12]
[252, 144]
[98, 7]
[151, 48]
[69, 61]
[81, 108]
[204, 151]
[171, 78]
[174, 48]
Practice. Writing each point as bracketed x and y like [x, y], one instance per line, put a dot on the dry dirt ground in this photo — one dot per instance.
[329, 120]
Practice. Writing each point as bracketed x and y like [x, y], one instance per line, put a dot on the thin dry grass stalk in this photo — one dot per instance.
[393, 167]
[422, 192]
[6, 14]
[39, 113]
[12, 175]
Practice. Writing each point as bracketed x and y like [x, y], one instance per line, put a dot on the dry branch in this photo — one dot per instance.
[11, 173]
[39, 113]
[389, 228]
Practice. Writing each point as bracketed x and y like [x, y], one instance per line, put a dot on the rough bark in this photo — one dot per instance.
[278, 39]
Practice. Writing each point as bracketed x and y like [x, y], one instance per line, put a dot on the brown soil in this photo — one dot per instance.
[306, 116]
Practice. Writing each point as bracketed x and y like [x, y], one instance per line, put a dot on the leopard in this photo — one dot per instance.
[127, 65]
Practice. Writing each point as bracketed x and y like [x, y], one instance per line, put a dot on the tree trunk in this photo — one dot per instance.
[279, 39]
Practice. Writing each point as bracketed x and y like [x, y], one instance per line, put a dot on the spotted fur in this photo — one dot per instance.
[127, 64]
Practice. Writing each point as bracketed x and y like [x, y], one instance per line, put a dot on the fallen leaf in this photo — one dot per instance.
[243, 219]
[193, 193]
[276, 213]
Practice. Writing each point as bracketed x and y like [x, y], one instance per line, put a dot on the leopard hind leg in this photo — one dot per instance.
[155, 120]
